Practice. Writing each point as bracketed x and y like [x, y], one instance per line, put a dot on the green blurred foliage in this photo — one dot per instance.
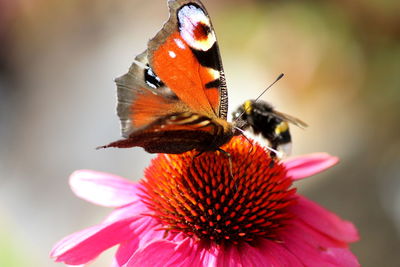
[13, 251]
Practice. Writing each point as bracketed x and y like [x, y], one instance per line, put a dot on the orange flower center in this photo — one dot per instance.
[201, 197]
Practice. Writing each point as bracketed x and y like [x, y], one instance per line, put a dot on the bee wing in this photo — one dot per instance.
[293, 120]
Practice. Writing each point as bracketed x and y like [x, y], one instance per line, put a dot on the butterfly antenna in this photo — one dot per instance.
[263, 92]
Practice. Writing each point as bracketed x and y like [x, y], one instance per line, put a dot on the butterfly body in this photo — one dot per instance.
[209, 136]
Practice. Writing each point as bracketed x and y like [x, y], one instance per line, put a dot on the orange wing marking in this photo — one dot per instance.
[183, 74]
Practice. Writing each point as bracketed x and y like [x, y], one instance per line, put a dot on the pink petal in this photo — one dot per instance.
[84, 246]
[244, 255]
[144, 230]
[103, 188]
[210, 256]
[313, 236]
[251, 256]
[184, 252]
[114, 263]
[190, 250]
[308, 165]
[324, 221]
[265, 254]
[343, 257]
[166, 253]
[125, 251]
[308, 255]
[278, 255]
[160, 253]
[314, 248]
[135, 208]
[230, 256]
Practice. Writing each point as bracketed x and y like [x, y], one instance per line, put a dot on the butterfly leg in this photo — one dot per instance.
[228, 155]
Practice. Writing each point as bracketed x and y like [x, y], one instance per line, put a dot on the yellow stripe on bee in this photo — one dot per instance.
[248, 107]
[281, 128]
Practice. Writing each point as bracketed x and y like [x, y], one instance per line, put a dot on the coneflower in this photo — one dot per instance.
[197, 211]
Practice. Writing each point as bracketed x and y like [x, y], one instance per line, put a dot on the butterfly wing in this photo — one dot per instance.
[185, 56]
[143, 97]
[180, 75]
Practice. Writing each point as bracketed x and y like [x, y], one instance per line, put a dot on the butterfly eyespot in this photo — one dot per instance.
[195, 28]
[201, 31]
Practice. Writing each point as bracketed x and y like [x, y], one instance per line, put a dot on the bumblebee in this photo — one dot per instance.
[260, 117]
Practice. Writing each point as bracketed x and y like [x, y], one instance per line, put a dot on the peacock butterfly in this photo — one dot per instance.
[174, 97]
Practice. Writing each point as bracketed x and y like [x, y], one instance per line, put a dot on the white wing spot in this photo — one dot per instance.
[214, 73]
[172, 54]
[179, 43]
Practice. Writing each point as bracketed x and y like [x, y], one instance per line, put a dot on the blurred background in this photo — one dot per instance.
[58, 60]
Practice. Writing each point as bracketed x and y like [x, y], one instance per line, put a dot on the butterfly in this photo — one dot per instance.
[174, 97]
[264, 120]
